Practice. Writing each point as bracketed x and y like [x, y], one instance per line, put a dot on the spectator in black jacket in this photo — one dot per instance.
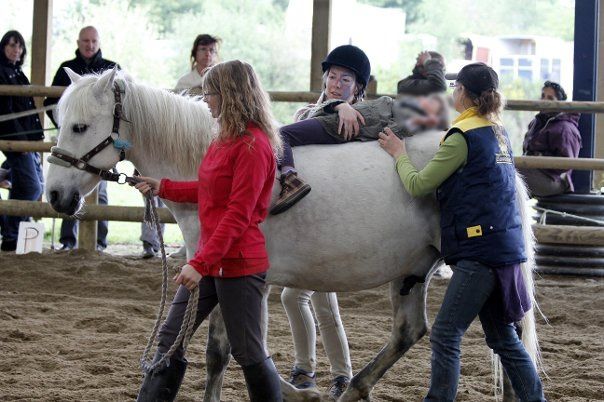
[89, 59]
[428, 76]
[24, 169]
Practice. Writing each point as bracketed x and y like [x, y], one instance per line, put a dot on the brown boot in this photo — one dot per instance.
[292, 191]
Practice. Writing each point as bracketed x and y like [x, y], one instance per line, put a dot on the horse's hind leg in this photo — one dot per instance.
[409, 325]
[218, 354]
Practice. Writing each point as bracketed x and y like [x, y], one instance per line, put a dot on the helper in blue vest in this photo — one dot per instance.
[474, 178]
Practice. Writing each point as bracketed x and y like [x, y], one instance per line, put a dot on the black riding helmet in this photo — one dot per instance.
[352, 58]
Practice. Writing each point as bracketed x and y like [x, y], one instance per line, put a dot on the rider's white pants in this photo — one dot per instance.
[297, 306]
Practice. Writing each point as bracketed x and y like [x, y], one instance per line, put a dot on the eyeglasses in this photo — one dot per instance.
[204, 95]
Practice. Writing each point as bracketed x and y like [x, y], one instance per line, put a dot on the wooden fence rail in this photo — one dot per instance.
[89, 212]
[308, 97]
[544, 234]
[527, 162]
[562, 234]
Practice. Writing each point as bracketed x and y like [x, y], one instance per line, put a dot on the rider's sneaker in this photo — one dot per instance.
[338, 386]
[292, 190]
[302, 379]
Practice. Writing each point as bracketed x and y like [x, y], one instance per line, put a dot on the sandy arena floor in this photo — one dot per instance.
[73, 325]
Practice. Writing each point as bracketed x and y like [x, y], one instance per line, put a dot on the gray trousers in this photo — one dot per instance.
[297, 306]
[542, 185]
[148, 233]
[240, 300]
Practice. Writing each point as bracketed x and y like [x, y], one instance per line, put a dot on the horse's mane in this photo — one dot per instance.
[164, 125]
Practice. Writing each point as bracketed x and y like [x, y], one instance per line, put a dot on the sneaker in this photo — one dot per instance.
[67, 247]
[181, 253]
[292, 190]
[148, 251]
[338, 386]
[302, 379]
[8, 245]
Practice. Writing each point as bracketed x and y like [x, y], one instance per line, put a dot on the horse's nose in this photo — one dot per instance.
[54, 196]
[66, 205]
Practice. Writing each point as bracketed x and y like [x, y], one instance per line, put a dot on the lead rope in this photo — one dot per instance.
[186, 330]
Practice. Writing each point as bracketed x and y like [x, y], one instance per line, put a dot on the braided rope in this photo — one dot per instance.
[186, 330]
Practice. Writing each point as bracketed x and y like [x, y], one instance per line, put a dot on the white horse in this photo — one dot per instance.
[357, 229]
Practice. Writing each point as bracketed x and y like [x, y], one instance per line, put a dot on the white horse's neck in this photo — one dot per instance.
[169, 133]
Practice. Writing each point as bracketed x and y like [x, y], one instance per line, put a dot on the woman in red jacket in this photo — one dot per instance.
[233, 191]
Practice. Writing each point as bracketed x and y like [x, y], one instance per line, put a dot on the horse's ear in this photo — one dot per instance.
[105, 82]
[73, 76]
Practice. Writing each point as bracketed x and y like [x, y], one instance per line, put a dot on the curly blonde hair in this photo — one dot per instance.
[243, 100]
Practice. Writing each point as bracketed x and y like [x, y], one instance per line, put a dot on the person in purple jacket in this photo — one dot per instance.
[551, 134]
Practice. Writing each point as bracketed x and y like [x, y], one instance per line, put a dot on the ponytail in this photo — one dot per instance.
[490, 104]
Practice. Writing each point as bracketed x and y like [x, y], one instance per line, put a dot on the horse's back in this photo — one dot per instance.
[358, 226]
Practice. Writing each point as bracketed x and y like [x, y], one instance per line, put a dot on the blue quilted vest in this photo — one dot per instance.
[480, 220]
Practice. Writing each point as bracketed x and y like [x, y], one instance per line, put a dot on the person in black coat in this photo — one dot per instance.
[25, 172]
[88, 60]
[428, 76]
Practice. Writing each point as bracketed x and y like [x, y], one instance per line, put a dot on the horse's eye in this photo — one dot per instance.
[79, 128]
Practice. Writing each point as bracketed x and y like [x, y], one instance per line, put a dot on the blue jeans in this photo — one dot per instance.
[468, 296]
[69, 227]
[27, 184]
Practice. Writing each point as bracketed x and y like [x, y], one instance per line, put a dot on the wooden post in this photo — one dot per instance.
[87, 231]
[599, 175]
[40, 45]
[321, 16]
[585, 75]
[371, 86]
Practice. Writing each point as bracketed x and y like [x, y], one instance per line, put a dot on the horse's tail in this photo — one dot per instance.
[529, 328]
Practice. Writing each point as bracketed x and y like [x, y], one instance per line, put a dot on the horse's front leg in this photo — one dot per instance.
[409, 325]
[218, 354]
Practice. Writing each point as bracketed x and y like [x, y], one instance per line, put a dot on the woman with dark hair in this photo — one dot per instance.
[481, 235]
[552, 134]
[25, 168]
[204, 54]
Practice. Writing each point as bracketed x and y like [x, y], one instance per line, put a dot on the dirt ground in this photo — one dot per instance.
[73, 326]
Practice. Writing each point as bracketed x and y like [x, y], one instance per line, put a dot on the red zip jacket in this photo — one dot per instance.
[233, 190]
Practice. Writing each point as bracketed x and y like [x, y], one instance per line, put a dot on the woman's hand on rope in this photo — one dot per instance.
[188, 277]
[348, 121]
[392, 144]
[147, 184]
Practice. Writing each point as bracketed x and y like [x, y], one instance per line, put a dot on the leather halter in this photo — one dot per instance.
[65, 158]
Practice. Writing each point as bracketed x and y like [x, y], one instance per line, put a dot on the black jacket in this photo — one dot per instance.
[96, 65]
[11, 74]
